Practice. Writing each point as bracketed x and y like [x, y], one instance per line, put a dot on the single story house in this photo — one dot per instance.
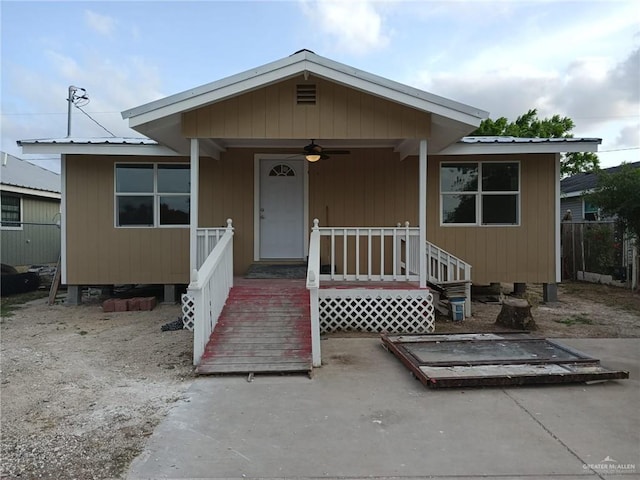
[365, 178]
[30, 204]
[573, 193]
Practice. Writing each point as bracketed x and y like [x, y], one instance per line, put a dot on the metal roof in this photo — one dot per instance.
[300, 62]
[96, 146]
[162, 119]
[465, 146]
[507, 139]
[90, 141]
[20, 173]
[582, 182]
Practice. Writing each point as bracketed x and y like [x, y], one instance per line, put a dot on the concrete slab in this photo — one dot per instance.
[364, 415]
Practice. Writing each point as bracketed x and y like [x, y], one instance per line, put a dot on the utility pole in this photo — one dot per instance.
[73, 96]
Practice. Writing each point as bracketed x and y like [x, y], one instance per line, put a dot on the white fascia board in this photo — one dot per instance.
[29, 191]
[400, 93]
[198, 92]
[512, 148]
[296, 65]
[226, 90]
[98, 149]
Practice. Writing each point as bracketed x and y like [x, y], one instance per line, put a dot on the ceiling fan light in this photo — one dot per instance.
[312, 157]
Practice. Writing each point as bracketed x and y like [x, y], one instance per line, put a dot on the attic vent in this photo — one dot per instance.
[306, 94]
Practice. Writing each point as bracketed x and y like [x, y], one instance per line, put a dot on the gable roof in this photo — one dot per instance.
[20, 176]
[580, 183]
[160, 119]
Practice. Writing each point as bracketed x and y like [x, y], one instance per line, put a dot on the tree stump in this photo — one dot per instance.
[516, 314]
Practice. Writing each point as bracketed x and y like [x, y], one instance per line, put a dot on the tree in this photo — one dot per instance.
[530, 126]
[618, 194]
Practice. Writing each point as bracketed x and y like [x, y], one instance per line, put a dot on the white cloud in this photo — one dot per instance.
[356, 26]
[112, 86]
[629, 136]
[102, 24]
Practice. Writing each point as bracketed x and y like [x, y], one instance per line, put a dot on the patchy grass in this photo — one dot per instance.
[608, 295]
[580, 319]
[9, 304]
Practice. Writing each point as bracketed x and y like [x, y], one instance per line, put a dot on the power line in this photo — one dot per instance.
[16, 114]
[95, 121]
[619, 149]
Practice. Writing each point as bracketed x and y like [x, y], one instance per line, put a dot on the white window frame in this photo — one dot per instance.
[155, 194]
[21, 226]
[479, 194]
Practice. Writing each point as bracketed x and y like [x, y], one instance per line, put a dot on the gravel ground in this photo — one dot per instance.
[81, 389]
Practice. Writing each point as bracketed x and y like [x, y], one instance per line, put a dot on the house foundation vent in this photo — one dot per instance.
[306, 94]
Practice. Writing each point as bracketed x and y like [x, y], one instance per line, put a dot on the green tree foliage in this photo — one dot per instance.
[618, 194]
[530, 126]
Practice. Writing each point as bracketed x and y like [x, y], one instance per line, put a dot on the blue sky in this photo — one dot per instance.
[577, 58]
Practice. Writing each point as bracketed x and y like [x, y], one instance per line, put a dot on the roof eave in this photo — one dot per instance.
[590, 145]
[34, 192]
[298, 64]
[57, 147]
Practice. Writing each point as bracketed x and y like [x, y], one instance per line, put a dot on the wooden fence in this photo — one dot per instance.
[597, 247]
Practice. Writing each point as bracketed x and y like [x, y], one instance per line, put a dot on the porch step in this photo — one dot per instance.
[265, 327]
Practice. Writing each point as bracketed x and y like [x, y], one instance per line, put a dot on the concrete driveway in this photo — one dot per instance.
[363, 415]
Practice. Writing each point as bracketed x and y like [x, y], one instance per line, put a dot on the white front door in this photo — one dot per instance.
[281, 209]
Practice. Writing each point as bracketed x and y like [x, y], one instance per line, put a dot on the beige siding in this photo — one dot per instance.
[97, 252]
[504, 254]
[340, 112]
[367, 188]
[226, 191]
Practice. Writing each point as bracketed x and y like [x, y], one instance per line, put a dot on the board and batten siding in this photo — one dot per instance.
[369, 187]
[524, 253]
[339, 112]
[100, 254]
[33, 244]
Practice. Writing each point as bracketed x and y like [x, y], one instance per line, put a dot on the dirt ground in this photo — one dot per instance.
[81, 389]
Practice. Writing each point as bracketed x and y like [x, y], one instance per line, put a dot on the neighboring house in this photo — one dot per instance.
[574, 191]
[30, 202]
[149, 210]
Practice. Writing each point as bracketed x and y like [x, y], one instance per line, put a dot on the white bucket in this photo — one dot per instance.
[457, 309]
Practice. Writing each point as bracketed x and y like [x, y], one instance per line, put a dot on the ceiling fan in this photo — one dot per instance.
[314, 152]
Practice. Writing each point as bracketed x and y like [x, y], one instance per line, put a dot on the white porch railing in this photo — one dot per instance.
[207, 239]
[443, 269]
[369, 253]
[208, 292]
[365, 254]
[446, 268]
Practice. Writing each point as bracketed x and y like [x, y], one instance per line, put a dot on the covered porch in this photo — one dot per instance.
[372, 279]
[245, 138]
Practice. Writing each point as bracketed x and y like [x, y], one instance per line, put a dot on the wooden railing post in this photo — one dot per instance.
[313, 285]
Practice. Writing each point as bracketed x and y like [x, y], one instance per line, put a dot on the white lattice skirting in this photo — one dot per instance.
[392, 311]
[188, 312]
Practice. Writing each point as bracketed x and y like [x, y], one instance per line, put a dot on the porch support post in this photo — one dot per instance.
[558, 223]
[193, 216]
[422, 212]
